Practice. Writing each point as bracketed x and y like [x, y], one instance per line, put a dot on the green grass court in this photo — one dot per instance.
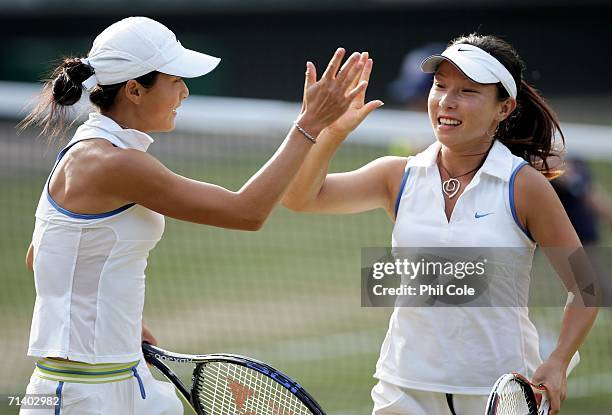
[288, 295]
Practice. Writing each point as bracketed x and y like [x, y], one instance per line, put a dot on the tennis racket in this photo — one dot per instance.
[228, 384]
[513, 394]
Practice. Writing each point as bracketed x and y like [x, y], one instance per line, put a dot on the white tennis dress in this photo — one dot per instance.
[460, 350]
[89, 272]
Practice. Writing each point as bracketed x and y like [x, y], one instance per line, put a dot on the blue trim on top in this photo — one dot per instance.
[78, 215]
[87, 216]
[511, 196]
[401, 190]
[58, 393]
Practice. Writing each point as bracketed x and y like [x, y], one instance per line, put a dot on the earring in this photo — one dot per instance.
[492, 136]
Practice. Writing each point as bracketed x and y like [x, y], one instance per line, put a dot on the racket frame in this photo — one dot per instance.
[156, 356]
[526, 386]
[544, 407]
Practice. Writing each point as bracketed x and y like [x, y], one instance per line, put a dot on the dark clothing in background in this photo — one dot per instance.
[573, 190]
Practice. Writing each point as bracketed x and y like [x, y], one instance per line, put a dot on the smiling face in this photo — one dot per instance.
[157, 105]
[464, 113]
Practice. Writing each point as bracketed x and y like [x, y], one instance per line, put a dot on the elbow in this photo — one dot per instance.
[254, 221]
[292, 204]
[253, 224]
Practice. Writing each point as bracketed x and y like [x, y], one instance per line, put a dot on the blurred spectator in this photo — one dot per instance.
[410, 91]
[585, 202]
[411, 88]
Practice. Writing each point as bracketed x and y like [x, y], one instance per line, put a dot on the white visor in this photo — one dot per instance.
[475, 63]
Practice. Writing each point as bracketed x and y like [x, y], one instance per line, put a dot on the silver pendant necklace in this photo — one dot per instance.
[452, 185]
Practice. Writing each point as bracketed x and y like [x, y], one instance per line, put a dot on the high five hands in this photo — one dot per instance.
[336, 102]
[358, 110]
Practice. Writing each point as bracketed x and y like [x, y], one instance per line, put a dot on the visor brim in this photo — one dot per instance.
[470, 69]
[190, 64]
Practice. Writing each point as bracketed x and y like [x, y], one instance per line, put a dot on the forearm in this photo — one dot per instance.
[310, 178]
[577, 321]
[29, 259]
[263, 190]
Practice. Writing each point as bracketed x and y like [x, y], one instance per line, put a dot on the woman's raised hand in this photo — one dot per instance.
[358, 110]
[328, 98]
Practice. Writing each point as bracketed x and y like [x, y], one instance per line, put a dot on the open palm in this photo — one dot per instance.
[358, 110]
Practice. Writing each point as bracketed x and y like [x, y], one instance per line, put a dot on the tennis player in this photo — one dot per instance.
[102, 210]
[483, 183]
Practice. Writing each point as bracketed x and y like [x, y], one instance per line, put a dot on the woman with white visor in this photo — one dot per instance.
[482, 183]
[102, 209]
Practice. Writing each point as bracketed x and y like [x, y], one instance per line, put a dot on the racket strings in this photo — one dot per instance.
[513, 399]
[229, 389]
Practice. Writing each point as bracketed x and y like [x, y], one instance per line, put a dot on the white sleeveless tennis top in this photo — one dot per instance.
[460, 349]
[89, 269]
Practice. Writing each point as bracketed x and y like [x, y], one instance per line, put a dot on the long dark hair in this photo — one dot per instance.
[63, 88]
[529, 132]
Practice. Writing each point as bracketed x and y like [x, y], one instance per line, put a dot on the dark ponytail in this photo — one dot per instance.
[529, 132]
[64, 88]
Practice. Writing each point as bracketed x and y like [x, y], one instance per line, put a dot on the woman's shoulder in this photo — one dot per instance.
[532, 189]
[529, 178]
[391, 167]
[97, 160]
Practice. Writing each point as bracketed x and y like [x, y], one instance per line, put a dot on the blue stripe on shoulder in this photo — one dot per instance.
[401, 190]
[78, 215]
[511, 196]
[58, 393]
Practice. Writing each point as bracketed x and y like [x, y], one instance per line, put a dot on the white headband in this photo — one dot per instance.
[476, 64]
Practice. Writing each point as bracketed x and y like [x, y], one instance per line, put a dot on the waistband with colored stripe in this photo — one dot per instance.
[77, 372]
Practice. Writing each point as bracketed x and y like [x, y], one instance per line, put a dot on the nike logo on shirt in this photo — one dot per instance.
[478, 215]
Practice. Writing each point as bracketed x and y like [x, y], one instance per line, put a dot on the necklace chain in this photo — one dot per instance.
[452, 185]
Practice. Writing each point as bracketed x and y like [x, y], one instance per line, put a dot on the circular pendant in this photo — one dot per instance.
[450, 187]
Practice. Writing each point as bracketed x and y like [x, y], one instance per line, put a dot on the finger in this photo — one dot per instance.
[364, 111]
[347, 77]
[555, 402]
[358, 89]
[348, 67]
[365, 76]
[371, 106]
[334, 64]
[367, 70]
[363, 58]
[310, 79]
[359, 55]
[311, 74]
